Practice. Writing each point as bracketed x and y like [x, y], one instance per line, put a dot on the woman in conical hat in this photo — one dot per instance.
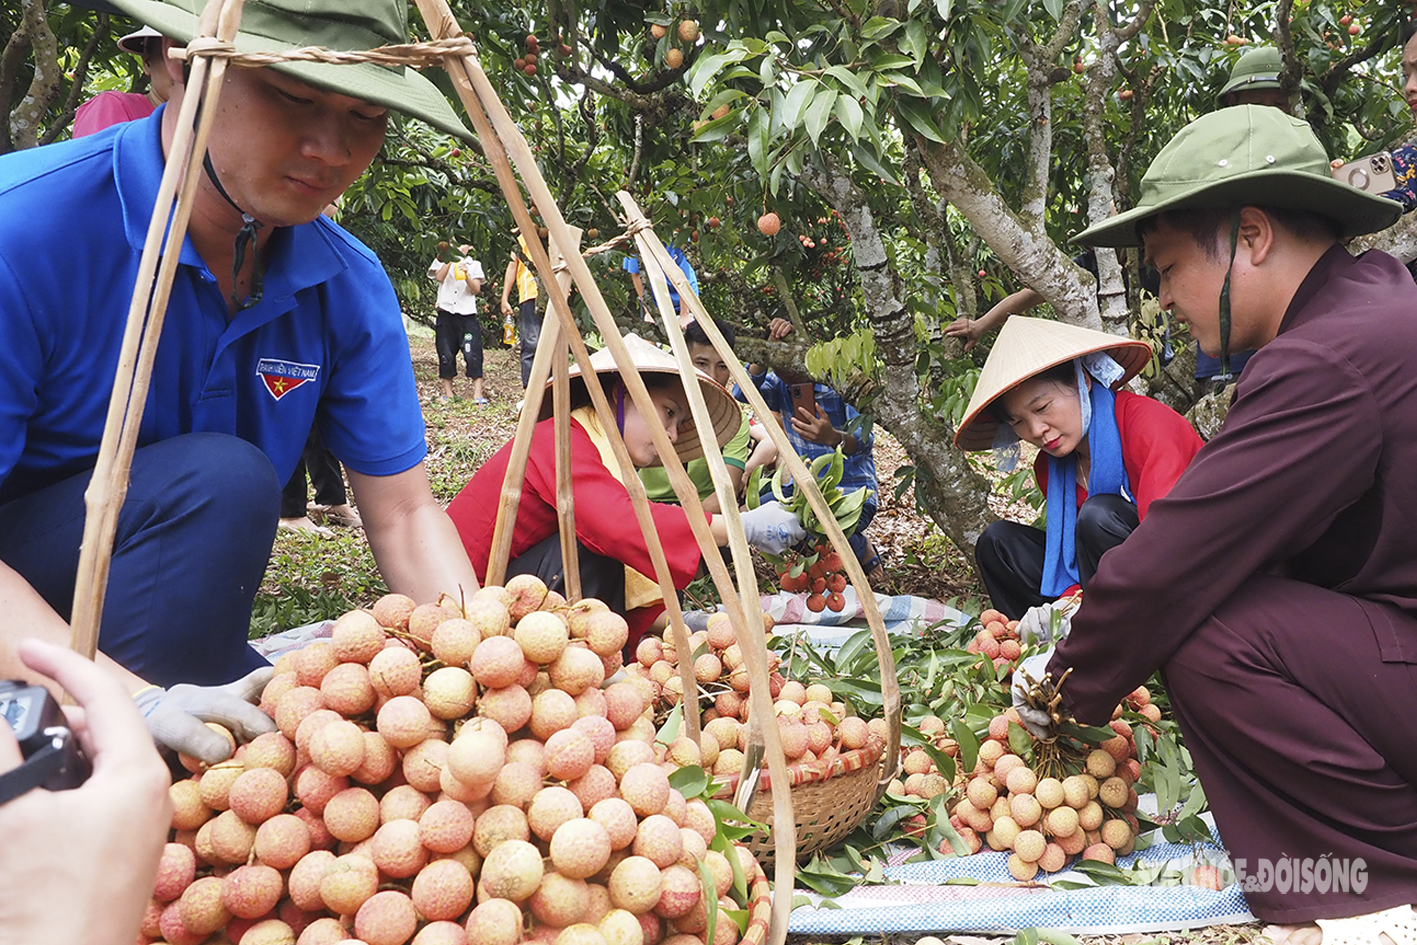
[1103, 454]
[615, 565]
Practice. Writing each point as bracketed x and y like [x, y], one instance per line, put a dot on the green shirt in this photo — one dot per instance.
[735, 453]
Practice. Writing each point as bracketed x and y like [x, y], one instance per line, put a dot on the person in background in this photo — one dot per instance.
[1404, 156]
[519, 273]
[749, 448]
[331, 503]
[1103, 457]
[829, 423]
[111, 108]
[1254, 80]
[459, 283]
[648, 308]
[615, 565]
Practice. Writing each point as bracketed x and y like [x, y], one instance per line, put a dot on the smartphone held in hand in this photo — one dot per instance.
[1372, 173]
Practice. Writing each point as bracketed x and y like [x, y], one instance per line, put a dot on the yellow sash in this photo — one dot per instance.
[640, 591]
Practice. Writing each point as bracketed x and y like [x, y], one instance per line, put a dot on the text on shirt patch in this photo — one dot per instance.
[282, 377]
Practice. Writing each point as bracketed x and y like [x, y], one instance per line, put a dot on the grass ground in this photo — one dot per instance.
[311, 578]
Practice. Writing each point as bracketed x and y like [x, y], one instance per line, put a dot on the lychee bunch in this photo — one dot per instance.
[819, 574]
[1053, 802]
[997, 639]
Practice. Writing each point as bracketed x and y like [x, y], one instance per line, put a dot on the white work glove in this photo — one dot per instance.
[1049, 623]
[175, 715]
[772, 528]
[1038, 722]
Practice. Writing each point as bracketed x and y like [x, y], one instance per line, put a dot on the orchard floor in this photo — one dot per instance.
[311, 578]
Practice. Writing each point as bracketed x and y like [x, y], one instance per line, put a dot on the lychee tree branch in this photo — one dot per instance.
[950, 489]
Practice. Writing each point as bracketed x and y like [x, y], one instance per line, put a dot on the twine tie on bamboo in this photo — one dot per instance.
[416, 55]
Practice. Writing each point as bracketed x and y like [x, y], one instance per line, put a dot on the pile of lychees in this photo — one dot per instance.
[1056, 803]
[812, 723]
[447, 775]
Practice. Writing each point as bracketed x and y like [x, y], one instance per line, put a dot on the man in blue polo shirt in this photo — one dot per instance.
[278, 319]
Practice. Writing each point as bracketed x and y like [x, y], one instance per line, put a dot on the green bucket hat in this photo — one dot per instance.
[1241, 156]
[275, 26]
[1257, 69]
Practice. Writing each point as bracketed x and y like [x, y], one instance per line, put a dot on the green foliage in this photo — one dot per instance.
[310, 579]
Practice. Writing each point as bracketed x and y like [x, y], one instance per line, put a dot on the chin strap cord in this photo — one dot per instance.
[245, 240]
[1225, 377]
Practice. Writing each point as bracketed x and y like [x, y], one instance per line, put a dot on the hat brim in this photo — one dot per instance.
[1355, 211]
[723, 409]
[1245, 84]
[401, 88]
[136, 42]
[1034, 346]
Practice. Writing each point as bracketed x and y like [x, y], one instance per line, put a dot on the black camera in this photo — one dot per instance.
[53, 758]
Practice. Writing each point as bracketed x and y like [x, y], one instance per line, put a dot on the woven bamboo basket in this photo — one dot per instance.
[829, 798]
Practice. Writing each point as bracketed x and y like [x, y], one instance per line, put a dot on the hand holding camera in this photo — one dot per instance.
[58, 875]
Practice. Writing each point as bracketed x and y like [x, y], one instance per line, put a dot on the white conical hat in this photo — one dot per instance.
[649, 358]
[1028, 346]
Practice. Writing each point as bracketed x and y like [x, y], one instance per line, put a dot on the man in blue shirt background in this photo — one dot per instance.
[278, 319]
[812, 433]
[632, 266]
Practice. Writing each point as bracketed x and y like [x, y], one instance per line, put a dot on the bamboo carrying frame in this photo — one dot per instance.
[504, 147]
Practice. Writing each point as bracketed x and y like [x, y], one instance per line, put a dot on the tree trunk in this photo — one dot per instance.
[951, 491]
[26, 117]
[1032, 256]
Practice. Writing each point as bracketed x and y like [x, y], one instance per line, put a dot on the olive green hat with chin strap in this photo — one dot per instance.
[276, 26]
[1257, 69]
[1247, 155]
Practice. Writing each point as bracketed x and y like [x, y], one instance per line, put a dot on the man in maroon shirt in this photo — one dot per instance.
[1275, 586]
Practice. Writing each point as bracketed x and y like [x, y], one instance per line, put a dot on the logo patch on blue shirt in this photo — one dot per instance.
[282, 377]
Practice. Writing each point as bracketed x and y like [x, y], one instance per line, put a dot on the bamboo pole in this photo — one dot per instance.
[742, 601]
[502, 140]
[103, 499]
[565, 495]
[511, 496]
[804, 480]
[548, 346]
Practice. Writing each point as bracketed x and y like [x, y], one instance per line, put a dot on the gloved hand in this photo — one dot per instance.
[175, 715]
[1049, 623]
[1038, 722]
[772, 528]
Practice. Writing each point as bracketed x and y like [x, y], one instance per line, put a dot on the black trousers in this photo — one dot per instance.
[529, 330]
[453, 333]
[1010, 555]
[325, 476]
[601, 577]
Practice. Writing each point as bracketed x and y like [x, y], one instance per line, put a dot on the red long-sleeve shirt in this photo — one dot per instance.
[605, 515]
[1157, 446]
